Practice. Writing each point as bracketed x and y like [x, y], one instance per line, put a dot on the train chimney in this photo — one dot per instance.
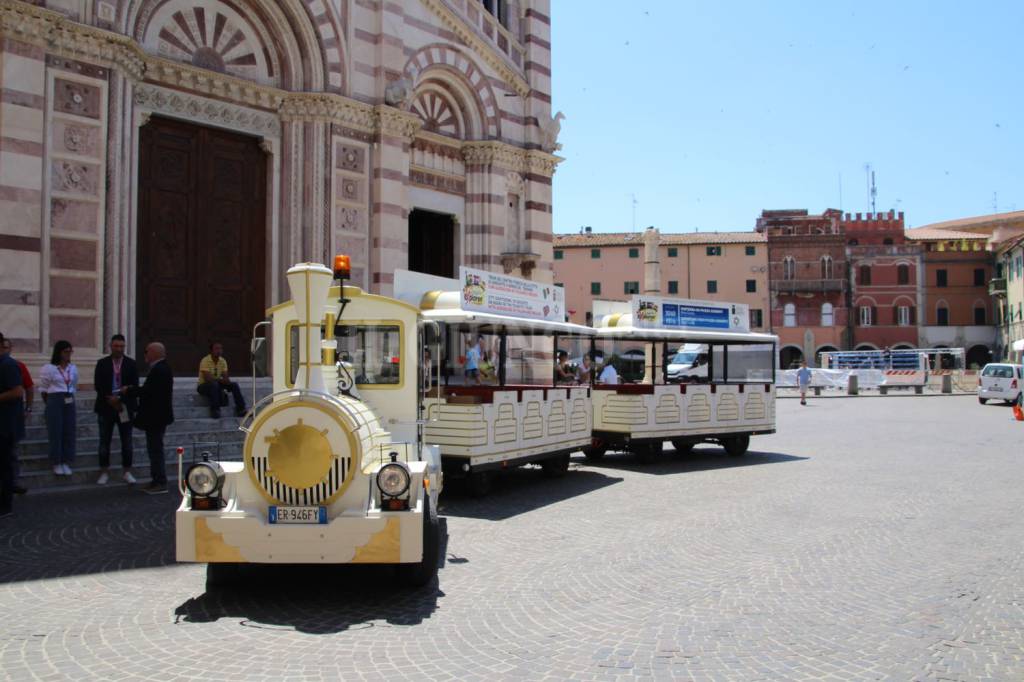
[310, 284]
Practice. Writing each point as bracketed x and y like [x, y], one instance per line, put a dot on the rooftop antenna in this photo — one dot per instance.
[995, 202]
[840, 191]
[869, 176]
[634, 202]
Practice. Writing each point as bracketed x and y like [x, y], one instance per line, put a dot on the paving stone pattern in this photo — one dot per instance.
[868, 539]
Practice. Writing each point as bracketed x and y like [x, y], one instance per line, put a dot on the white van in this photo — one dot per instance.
[1000, 381]
[690, 361]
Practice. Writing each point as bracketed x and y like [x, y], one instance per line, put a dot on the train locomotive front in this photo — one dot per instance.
[330, 474]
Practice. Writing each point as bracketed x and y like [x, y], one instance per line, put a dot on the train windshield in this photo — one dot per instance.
[371, 353]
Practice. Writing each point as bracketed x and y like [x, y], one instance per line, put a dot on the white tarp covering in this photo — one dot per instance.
[832, 378]
[1018, 345]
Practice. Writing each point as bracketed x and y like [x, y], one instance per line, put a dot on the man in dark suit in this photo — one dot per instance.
[115, 376]
[156, 413]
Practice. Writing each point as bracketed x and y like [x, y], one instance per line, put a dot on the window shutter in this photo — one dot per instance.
[913, 315]
[874, 315]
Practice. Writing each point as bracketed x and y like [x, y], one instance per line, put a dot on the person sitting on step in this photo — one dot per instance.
[214, 382]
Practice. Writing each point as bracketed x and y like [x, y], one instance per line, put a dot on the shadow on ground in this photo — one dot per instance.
[521, 490]
[670, 463]
[318, 599]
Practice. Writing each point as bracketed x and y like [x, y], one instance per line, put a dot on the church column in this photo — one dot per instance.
[389, 229]
[485, 205]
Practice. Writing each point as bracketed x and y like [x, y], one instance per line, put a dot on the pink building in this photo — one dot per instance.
[716, 266]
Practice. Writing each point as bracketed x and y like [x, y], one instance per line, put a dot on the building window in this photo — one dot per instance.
[903, 315]
[865, 315]
[673, 286]
[751, 250]
[940, 278]
[634, 253]
[595, 253]
[903, 274]
[826, 267]
[631, 287]
[827, 316]
[788, 267]
[558, 254]
[714, 250]
[673, 252]
[712, 286]
[756, 318]
[852, 242]
[789, 315]
[498, 8]
[887, 241]
[589, 318]
[751, 286]
[595, 288]
[979, 277]
[999, 270]
[560, 284]
[865, 275]
[979, 315]
[942, 316]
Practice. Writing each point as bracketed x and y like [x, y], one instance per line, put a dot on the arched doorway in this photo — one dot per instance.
[202, 241]
[790, 357]
[977, 357]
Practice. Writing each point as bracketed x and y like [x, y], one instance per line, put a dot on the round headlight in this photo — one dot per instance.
[204, 478]
[393, 479]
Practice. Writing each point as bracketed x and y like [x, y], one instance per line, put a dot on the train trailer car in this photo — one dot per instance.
[335, 470]
[729, 400]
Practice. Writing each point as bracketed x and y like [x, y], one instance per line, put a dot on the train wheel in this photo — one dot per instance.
[222, 576]
[479, 483]
[556, 467]
[420, 574]
[647, 452]
[595, 452]
[682, 447]
[737, 445]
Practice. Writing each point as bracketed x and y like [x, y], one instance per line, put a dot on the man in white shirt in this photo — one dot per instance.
[608, 374]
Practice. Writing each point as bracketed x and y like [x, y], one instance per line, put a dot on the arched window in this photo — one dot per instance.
[942, 315]
[826, 267]
[788, 268]
[979, 314]
[903, 274]
[827, 316]
[789, 315]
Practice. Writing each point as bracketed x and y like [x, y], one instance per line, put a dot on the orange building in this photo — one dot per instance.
[715, 266]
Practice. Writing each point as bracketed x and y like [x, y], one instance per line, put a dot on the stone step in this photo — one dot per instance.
[85, 474]
[38, 449]
[89, 427]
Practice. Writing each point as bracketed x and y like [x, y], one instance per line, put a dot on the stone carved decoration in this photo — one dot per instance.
[438, 113]
[395, 122]
[77, 139]
[349, 189]
[350, 219]
[526, 262]
[205, 110]
[398, 93]
[71, 97]
[313, 106]
[514, 183]
[348, 158]
[68, 176]
[549, 130]
[212, 36]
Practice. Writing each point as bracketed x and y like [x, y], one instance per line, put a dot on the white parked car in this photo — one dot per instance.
[1000, 381]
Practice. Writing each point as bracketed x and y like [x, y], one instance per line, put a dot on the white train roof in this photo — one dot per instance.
[478, 321]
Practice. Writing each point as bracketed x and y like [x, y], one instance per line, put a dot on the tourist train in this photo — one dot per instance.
[378, 400]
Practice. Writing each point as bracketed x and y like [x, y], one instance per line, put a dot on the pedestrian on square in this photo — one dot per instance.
[11, 415]
[472, 361]
[114, 378]
[214, 381]
[156, 413]
[58, 385]
[7, 348]
[803, 380]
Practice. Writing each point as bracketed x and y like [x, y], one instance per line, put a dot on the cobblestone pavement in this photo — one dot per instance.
[867, 539]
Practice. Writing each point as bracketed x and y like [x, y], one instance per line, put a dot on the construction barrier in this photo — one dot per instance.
[904, 378]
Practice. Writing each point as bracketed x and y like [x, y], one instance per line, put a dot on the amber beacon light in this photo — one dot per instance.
[342, 266]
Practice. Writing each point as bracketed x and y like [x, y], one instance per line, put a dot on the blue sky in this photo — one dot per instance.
[709, 112]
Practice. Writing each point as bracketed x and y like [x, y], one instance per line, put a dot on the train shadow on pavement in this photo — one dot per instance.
[699, 459]
[521, 490]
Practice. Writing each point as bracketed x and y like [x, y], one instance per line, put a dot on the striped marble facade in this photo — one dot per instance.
[366, 109]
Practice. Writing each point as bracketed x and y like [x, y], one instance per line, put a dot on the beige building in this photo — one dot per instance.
[162, 162]
[715, 266]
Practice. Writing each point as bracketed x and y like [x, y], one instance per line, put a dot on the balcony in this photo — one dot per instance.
[997, 286]
[792, 286]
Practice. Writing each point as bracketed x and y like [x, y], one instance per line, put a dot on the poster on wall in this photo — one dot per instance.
[491, 292]
[655, 312]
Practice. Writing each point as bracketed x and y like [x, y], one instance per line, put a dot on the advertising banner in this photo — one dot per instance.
[656, 312]
[491, 292]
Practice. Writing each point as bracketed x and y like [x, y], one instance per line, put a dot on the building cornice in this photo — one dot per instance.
[511, 157]
[392, 121]
[460, 28]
